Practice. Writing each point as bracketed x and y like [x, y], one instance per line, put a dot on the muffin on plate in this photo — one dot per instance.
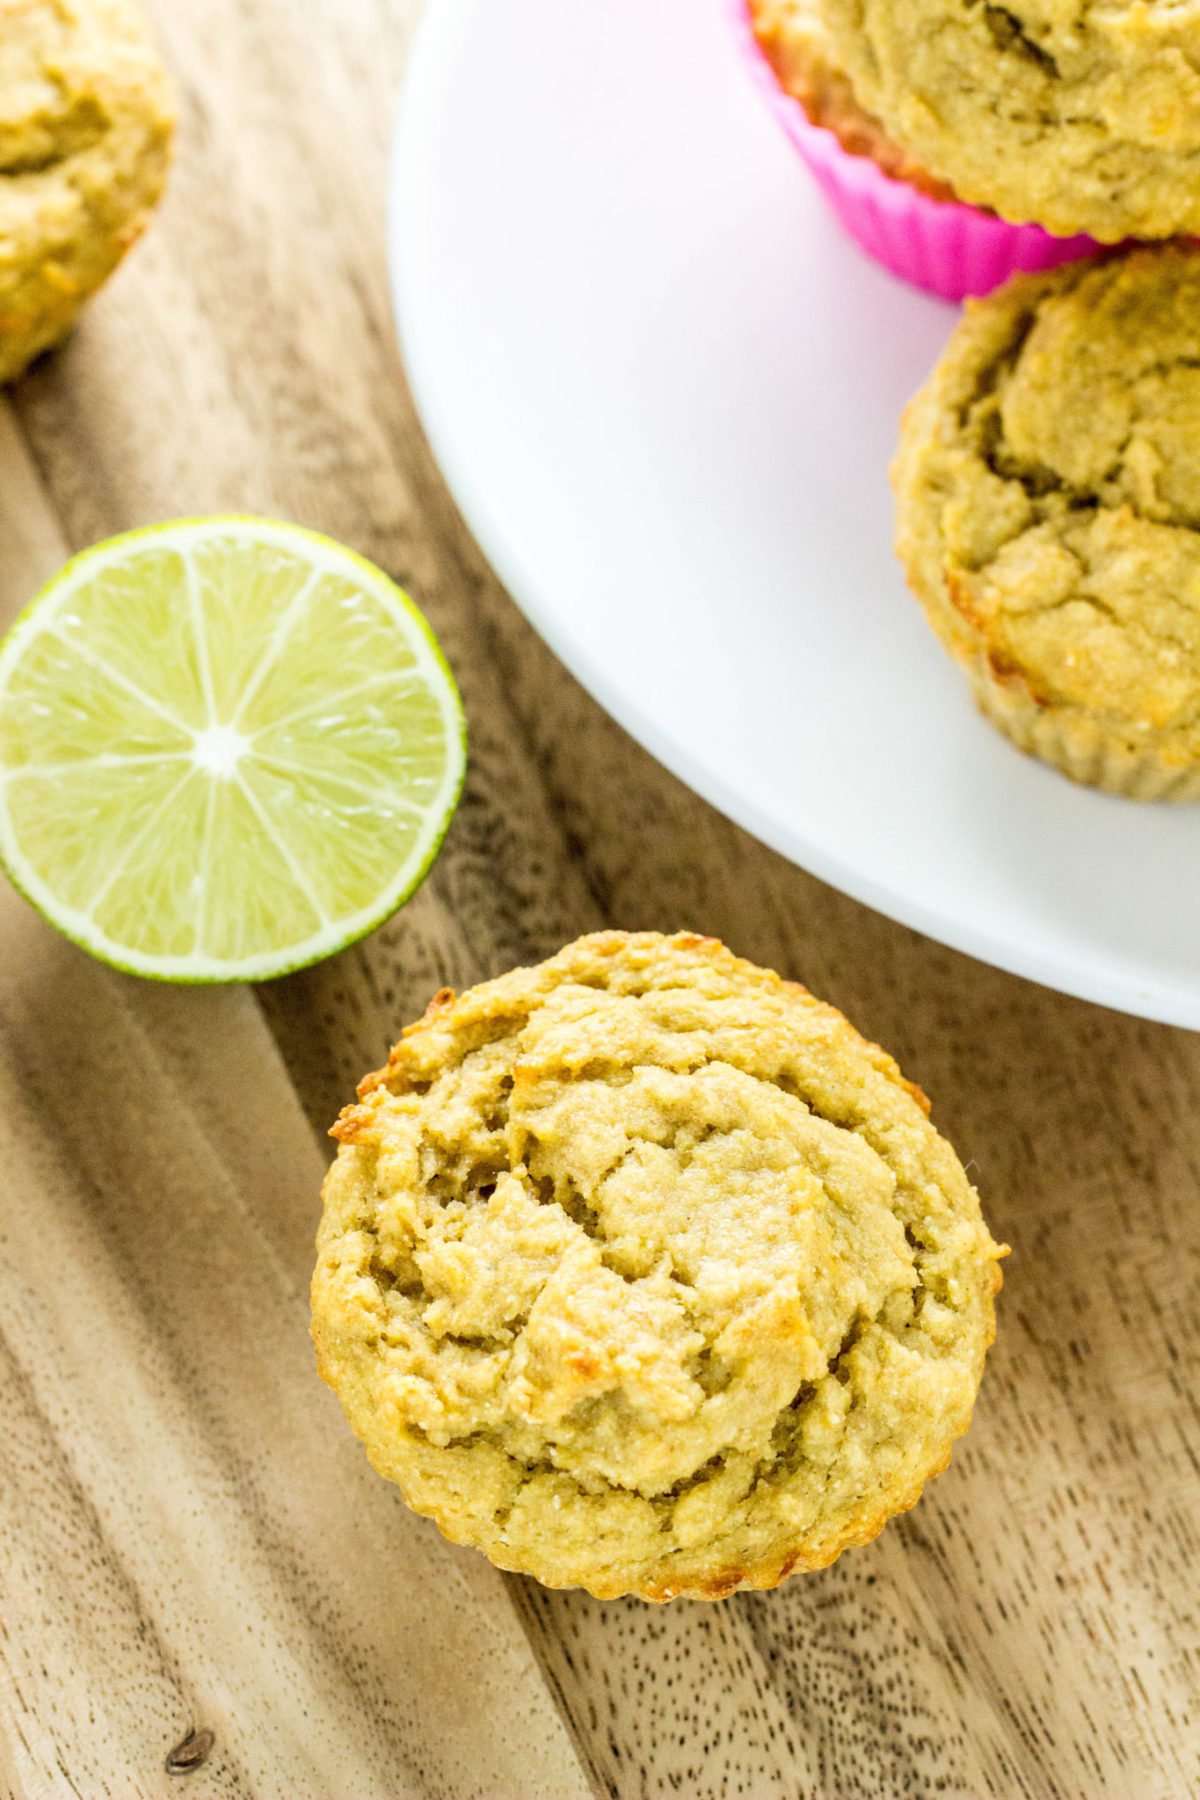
[903, 216]
[1048, 515]
[642, 1271]
[1078, 117]
[85, 135]
[797, 44]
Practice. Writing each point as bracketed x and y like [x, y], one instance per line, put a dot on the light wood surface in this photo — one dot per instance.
[189, 1540]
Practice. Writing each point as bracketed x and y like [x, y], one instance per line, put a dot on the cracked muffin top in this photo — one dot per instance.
[1048, 488]
[1080, 117]
[642, 1271]
[796, 41]
[85, 134]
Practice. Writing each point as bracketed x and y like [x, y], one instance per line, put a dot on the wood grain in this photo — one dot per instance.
[188, 1535]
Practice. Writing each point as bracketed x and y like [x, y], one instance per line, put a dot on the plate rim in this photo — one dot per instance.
[1081, 978]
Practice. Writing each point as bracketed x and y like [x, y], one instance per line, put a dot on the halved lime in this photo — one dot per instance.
[228, 747]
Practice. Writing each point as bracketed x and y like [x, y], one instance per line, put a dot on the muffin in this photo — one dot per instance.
[1048, 515]
[85, 134]
[642, 1271]
[798, 47]
[1082, 118]
[901, 215]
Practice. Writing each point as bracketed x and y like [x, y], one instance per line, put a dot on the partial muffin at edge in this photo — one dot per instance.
[85, 133]
[1076, 117]
[642, 1271]
[1048, 515]
[796, 42]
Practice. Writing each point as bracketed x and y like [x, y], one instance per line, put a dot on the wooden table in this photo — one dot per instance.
[190, 1541]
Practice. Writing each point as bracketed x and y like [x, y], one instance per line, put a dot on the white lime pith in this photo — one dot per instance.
[228, 747]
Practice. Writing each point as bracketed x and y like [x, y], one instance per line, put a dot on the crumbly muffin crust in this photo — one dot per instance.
[797, 44]
[1048, 515]
[85, 133]
[1082, 118]
[642, 1271]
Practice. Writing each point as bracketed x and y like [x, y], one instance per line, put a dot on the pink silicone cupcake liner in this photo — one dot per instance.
[943, 246]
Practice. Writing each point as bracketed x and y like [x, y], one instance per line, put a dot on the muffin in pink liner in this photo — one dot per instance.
[905, 219]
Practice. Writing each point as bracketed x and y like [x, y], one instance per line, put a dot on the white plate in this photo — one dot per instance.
[664, 391]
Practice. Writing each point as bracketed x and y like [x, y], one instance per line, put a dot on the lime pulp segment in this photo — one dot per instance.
[228, 747]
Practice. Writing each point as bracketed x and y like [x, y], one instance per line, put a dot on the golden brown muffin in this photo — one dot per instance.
[642, 1271]
[797, 44]
[1081, 118]
[1048, 515]
[85, 134]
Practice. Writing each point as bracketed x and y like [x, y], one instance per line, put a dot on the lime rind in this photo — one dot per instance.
[343, 572]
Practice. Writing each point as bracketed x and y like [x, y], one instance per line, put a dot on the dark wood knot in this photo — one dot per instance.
[195, 1749]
